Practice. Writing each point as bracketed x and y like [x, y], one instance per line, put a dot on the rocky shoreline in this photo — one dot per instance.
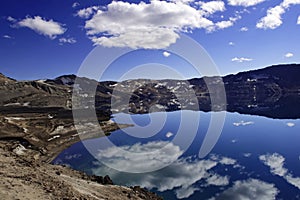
[23, 178]
[29, 141]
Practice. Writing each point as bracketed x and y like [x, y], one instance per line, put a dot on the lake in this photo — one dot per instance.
[255, 157]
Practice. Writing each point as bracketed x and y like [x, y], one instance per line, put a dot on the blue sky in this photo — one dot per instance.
[45, 39]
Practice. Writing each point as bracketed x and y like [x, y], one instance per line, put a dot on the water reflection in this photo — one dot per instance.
[261, 163]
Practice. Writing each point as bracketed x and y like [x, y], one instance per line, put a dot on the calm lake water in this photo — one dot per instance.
[255, 157]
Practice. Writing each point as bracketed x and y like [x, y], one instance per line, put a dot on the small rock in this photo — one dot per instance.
[107, 180]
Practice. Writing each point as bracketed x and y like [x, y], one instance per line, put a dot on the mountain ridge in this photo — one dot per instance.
[254, 89]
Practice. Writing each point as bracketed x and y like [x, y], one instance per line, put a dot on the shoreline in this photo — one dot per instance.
[30, 141]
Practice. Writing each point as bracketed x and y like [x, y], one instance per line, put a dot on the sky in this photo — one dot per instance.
[45, 39]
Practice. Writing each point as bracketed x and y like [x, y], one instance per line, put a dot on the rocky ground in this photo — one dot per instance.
[31, 138]
[24, 178]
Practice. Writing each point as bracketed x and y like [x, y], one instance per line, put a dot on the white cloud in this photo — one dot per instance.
[275, 162]
[182, 1]
[212, 6]
[224, 24]
[289, 55]
[247, 155]
[167, 54]
[245, 3]
[179, 176]
[153, 25]
[295, 181]
[241, 59]
[231, 43]
[42, 26]
[227, 161]
[249, 189]
[243, 123]
[273, 18]
[288, 3]
[223, 160]
[244, 29]
[298, 21]
[87, 12]
[234, 141]
[75, 4]
[217, 180]
[290, 124]
[156, 154]
[67, 40]
[11, 19]
[182, 175]
[7, 37]
[183, 193]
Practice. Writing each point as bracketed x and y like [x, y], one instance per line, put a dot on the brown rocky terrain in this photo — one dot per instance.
[24, 178]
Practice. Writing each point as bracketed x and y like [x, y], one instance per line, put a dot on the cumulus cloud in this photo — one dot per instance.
[180, 176]
[273, 18]
[153, 25]
[276, 163]
[287, 3]
[295, 181]
[167, 54]
[245, 3]
[217, 180]
[42, 26]
[212, 6]
[244, 29]
[144, 25]
[224, 24]
[133, 158]
[183, 193]
[289, 55]
[241, 59]
[67, 40]
[87, 12]
[227, 161]
[249, 189]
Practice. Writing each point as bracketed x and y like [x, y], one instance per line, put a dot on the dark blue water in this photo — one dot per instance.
[254, 158]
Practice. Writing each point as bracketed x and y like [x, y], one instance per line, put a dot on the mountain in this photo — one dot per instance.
[253, 92]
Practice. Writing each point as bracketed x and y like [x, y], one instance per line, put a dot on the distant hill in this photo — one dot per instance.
[259, 91]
